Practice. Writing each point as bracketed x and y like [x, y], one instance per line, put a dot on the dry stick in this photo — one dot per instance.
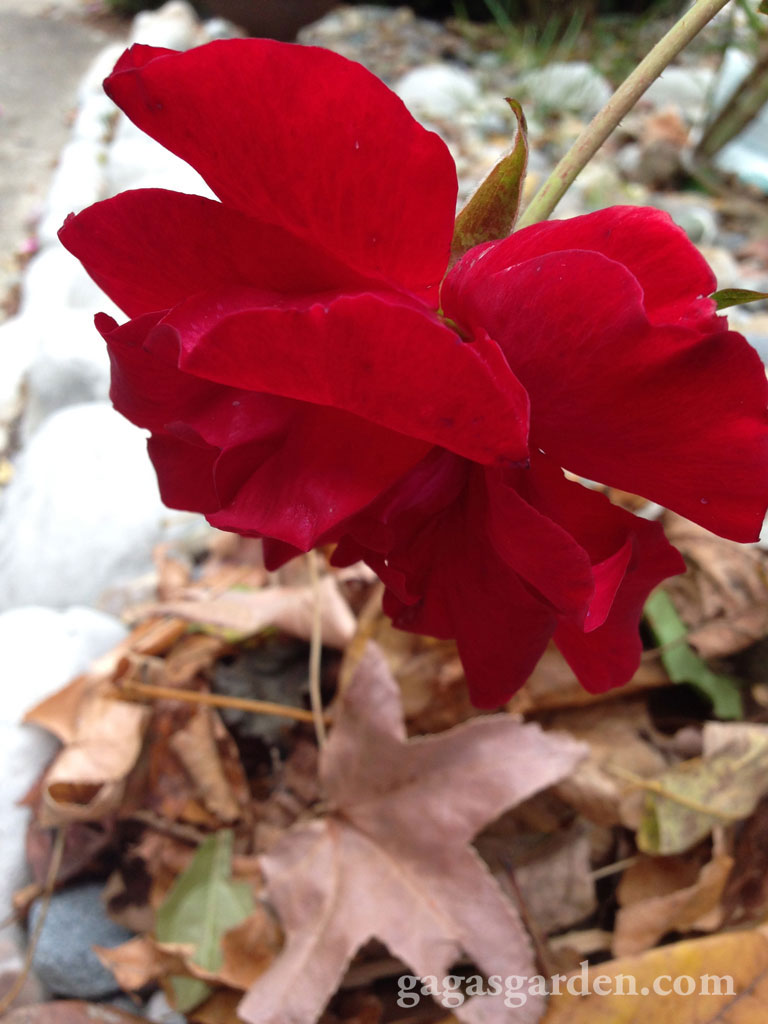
[622, 101]
[50, 881]
[316, 650]
[215, 700]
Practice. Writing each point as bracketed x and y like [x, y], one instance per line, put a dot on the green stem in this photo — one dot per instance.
[622, 101]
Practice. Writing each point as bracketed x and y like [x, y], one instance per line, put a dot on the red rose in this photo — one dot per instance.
[287, 352]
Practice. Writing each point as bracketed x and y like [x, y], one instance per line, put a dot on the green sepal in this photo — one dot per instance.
[492, 211]
[727, 297]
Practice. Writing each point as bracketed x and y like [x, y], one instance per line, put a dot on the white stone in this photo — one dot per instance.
[77, 182]
[71, 367]
[173, 25]
[221, 28]
[82, 511]
[92, 82]
[56, 280]
[746, 155]
[574, 88]
[688, 89]
[438, 91]
[159, 1011]
[136, 161]
[42, 650]
[94, 118]
[19, 344]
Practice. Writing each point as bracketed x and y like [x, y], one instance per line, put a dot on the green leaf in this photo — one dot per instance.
[202, 905]
[492, 211]
[736, 296]
[683, 664]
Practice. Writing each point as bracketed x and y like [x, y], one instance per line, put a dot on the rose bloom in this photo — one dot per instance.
[310, 374]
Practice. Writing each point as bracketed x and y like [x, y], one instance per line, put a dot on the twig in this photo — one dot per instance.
[50, 881]
[656, 787]
[215, 700]
[622, 101]
[316, 650]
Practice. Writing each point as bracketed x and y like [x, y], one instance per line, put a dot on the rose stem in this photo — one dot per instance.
[316, 650]
[215, 700]
[622, 101]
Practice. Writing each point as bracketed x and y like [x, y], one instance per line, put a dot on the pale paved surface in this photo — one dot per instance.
[45, 49]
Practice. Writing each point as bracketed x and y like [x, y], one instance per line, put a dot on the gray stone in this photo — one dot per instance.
[136, 161]
[689, 89]
[82, 511]
[64, 959]
[746, 156]
[42, 650]
[574, 88]
[438, 91]
[159, 1011]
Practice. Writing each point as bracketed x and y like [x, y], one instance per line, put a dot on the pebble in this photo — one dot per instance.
[438, 91]
[686, 88]
[64, 959]
[174, 25]
[82, 512]
[77, 182]
[42, 650]
[159, 1011]
[573, 87]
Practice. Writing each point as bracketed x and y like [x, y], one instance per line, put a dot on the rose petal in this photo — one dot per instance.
[657, 411]
[372, 355]
[150, 249]
[672, 273]
[302, 138]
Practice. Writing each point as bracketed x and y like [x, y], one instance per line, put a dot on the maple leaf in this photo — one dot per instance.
[392, 859]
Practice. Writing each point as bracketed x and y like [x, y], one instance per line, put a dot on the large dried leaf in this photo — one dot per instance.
[392, 859]
[196, 746]
[684, 804]
[202, 906]
[727, 976]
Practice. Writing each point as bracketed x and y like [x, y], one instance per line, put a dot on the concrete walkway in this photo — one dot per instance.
[45, 48]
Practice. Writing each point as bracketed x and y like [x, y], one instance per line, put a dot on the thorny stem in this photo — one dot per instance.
[50, 881]
[622, 101]
[215, 700]
[316, 650]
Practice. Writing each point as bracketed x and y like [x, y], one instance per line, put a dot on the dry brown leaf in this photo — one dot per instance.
[196, 747]
[727, 975]
[723, 598]
[393, 860]
[746, 895]
[616, 734]
[246, 612]
[664, 894]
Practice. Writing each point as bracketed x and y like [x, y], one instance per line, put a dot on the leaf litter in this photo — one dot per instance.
[271, 882]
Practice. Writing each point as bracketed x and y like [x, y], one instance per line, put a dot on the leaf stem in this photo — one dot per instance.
[316, 650]
[215, 700]
[622, 101]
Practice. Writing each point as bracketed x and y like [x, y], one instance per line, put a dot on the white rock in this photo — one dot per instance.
[82, 511]
[437, 91]
[688, 89]
[42, 650]
[747, 154]
[77, 182]
[173, 25]
[136, 161]
[221, 28]
[159, 1011]
[19, 345]
[94, 118]
[573, 87]
[92, 82]
[55, 280]
[71, 367]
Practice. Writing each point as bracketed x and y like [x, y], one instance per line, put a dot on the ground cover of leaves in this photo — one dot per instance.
[619, 834]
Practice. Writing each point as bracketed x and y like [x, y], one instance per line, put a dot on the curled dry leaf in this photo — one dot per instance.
[197, 747]
[664, 894]
[392, 859]
[723, 598]
[242, 613]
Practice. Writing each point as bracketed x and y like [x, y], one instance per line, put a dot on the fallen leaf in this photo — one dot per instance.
[683, 805]
[242, 613]
[663, 894]
[203, 904]
[746, 895]
[723, 980]
[392, 858]
[196, 746]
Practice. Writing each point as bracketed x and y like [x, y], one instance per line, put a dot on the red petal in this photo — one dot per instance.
[672, 273]
[659, 411]
[150, 249]
[301, 138]
[372, 355]
[254, 463]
